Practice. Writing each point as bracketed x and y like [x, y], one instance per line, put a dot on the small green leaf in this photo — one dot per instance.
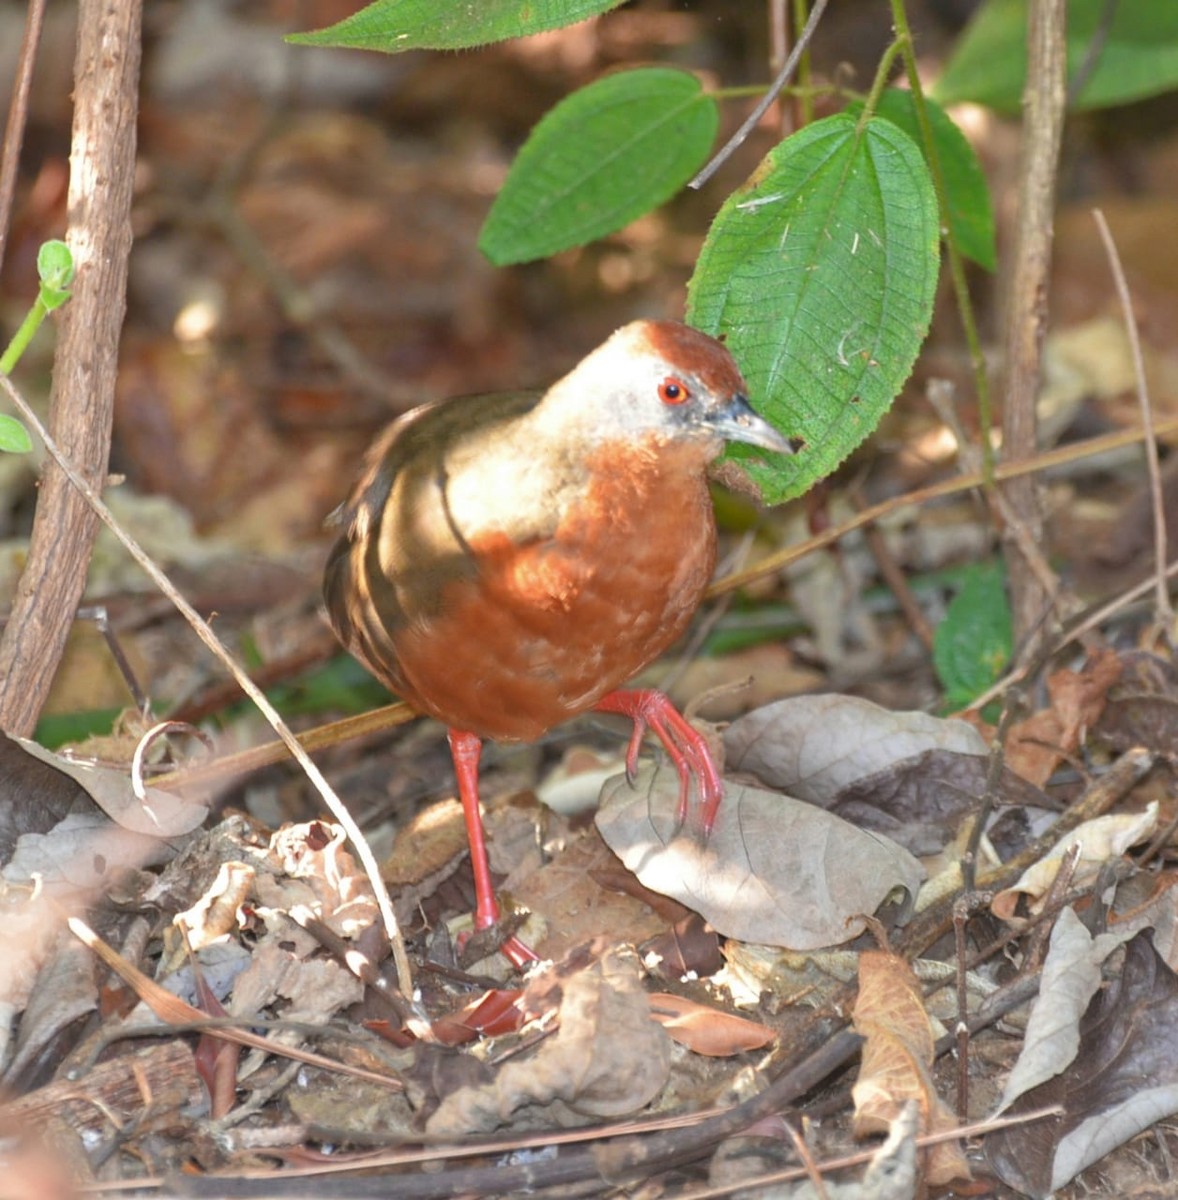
[1139, 56]
[974, 642]
[14, 437]
[396, 25]
[602, 157]
[55, 264]
[821, 272]
[971, 217]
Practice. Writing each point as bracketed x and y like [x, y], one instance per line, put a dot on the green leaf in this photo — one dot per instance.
[602, 157]
[55, 268]
[1139, 57]
[974, 642]
[14, 437]
[820, 272]
[396, 25]
[971, 217]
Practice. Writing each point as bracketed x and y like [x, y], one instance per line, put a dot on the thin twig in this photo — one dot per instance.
[997, 761]
[18, 115]
[893, 575]
[750, 122]
[1165, 610]
[1083, 624]
[1094, 51]
[204, 631]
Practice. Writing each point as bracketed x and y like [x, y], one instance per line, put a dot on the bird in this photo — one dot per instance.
[509, 561]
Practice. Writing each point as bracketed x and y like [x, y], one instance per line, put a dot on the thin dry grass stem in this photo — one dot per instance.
[234, 766]
[1012, 705]
[751, 121]
[18, 115]
[1164, 614]
[205, 632]
[1060, 456]
[809, 1163]
[174, 1011]
[977, 1129]
[1035, 947]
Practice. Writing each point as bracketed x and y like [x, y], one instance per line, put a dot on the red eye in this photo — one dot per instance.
[673, 391]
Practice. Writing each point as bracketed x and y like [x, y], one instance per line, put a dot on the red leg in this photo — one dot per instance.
[465, 749]
[684, 744]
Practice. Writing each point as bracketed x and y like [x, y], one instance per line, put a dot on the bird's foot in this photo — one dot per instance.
[685, 745]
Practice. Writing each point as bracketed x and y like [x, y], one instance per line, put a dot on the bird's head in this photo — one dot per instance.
[664, 380]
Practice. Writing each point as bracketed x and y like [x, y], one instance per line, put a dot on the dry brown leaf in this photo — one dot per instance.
[575, 907]
[707, 1030]
[606, 1059]
[896, 1061]
[1039, 744]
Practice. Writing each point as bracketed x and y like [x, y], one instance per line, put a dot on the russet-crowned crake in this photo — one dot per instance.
[510, 560]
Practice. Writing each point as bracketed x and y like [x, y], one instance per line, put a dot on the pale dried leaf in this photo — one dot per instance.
[160, 815]
[774, 869]
[1070, 977]
[815, 746]
[1100, 840]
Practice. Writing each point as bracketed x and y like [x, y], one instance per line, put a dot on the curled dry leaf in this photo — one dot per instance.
[707, 1030]
[774, 870]
[1099, 840]
[1070, 977]
[897, 1059]
[215, 914]
[607, 1057]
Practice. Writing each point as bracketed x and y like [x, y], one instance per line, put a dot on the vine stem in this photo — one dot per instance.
[23, 336]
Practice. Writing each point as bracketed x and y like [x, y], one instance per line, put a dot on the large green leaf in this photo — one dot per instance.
[820, 271]
[971, 217]
[396, 25]
[1139, 57]
[603, 156]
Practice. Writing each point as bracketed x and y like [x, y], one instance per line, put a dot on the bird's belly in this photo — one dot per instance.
[539, 633]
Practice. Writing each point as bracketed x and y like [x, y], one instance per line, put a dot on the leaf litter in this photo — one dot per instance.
[912, 781]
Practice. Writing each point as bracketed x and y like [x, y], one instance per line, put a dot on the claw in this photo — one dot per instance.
[684, 744]
[633, 749]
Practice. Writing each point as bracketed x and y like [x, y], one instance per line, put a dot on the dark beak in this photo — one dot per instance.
[736, 422]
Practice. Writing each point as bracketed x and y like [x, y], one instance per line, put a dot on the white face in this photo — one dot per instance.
[626, 387]
[663, 380]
